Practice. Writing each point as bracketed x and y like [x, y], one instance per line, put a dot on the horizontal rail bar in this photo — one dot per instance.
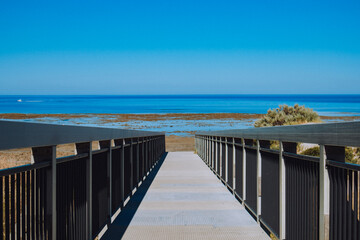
[23, 134]
[268, 150]
[250, 147]
[333, 134]
[71, 158]
[116, 147]
[302, 157]
[100, 151]
[348, 166]
[24, 168]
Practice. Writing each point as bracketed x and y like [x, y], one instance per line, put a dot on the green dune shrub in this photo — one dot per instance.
[287, 115]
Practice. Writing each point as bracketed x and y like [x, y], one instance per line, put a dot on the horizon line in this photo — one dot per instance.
[191, 94]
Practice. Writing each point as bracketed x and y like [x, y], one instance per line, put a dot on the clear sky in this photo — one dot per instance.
[179, 47]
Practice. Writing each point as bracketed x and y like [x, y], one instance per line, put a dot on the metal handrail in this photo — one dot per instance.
[335, 134]
[15, 134]
[52, 189]
[312, 191]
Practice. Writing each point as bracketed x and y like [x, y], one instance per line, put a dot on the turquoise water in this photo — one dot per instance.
[177, 127]
[331, 105]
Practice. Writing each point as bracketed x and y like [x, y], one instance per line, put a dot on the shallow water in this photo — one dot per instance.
[325, 105]
[178, 127]
[171, 127]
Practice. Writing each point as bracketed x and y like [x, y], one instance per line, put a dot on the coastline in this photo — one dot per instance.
[153, 116]
[178, 124]
[179, 127]
[122, 117]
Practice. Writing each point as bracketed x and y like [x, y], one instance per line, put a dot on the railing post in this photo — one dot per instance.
[122, 174]
[202, 147]
[216, 155]
[53, 192]
[41, 154]
[213, 153]
[244, 169]
[138, 162]
[147, 156]
[208, 150]
[89, 192]
[289, 147]
[87, 148]
[108, 144]
[121, 142]
[196, 146]
[143, 159]
[220, 156]
[258, 180]
[199, 146]
[282, 193]
[131, 167]
[337, 154]
[234, 166]
[226, 161]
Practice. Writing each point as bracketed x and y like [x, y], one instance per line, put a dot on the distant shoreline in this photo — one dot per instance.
[179, 127]
[325, 105]
[178, 124]
[124, 117]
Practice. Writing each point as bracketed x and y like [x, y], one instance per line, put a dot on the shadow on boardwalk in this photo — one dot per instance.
[118, 227]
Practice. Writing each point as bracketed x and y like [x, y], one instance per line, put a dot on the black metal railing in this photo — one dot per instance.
[72, 197]
[292, 195]
[302, 197]
[344, 193]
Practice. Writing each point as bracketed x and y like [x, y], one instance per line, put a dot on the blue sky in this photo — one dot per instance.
[179, 47]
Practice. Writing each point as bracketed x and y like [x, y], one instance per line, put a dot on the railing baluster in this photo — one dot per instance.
[32, 209]
[138, 162]
[244, 170]
[7, 213]
[282, 193]
[109, 177]
[38, 222]
[122, 174]
[28, 213]
[1, 209]
[87, 148]
[17, 206]
[258, 180]
[233, 165]
[12, 200]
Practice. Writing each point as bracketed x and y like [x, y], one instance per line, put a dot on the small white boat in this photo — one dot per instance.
[19, 100]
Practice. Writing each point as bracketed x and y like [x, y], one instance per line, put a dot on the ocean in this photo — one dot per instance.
[326, 105]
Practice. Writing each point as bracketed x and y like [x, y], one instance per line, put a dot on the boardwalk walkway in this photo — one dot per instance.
[184, 201]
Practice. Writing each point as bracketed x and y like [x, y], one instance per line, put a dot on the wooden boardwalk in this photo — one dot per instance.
[185, 200]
